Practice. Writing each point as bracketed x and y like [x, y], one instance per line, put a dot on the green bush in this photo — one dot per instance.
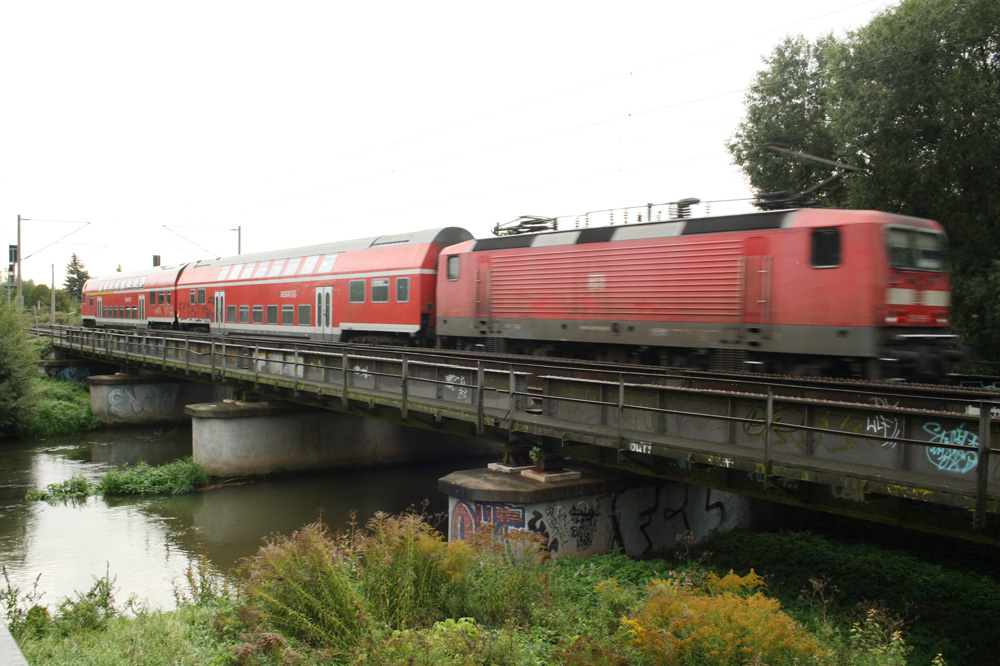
[18, 373]
[176, 478]
[63, 408]
[950, 607]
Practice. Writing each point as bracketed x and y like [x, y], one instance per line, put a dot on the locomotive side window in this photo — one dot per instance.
[272, 314]
[230, 314]
[826, 248]
[258, 314]
[916, 249]
[402, 290]
[357, 291]
[244, 314]
[287, 314]
[305, 315]
[380, 290]
[453, 271]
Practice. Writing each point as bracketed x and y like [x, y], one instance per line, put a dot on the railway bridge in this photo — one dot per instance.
[920, 457]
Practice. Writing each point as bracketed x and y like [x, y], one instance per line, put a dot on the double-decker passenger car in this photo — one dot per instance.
[136, 299]
[377, 289]
[810, 290]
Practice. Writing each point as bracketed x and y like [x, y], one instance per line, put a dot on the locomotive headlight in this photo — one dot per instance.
[895, 318]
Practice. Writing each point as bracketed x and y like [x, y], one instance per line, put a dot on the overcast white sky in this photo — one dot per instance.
[309, 122]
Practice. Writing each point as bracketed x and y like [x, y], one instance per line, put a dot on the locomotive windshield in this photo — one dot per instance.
[917, 249]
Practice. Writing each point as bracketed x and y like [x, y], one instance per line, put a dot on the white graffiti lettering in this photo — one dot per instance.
[130, 401]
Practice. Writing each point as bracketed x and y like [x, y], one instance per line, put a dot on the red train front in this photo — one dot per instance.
[811, 290]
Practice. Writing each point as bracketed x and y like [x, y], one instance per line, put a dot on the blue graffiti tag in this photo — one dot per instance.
[952, 460]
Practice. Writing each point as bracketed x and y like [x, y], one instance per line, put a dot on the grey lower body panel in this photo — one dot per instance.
[860, 342]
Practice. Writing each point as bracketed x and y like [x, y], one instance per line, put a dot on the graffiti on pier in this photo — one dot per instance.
[571, 529]
[467, 517]
[962, 460]
[142, 400]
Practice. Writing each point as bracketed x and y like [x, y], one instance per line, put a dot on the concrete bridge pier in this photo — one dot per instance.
[234, 438]
[136, 400]
[589, 510]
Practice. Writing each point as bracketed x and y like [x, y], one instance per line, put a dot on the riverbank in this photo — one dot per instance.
[395, 592]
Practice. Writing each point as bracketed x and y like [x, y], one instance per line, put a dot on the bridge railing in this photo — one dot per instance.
[861, 444]
[875, 445]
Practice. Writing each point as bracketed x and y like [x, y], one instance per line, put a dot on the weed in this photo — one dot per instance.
[77, 487]
[176, 478]
[679, 625]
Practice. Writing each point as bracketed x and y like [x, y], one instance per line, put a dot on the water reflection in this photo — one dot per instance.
[147, 544]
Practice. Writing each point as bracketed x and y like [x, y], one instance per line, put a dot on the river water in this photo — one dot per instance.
[147, 544]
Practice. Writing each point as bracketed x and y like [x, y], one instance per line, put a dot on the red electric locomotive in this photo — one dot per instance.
[810, 290]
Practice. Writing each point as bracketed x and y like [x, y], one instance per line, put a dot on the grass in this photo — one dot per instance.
[395, 592]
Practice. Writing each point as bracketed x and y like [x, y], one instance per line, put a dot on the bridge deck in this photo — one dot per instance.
[875, 453]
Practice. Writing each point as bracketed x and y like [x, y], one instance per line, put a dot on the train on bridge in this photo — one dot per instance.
[805, 291]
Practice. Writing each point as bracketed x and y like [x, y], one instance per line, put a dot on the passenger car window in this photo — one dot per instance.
[453, 270]
[380, 290]
[402, 290]
[357, 291]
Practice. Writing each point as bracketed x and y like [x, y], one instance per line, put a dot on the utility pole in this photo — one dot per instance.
[19, 299]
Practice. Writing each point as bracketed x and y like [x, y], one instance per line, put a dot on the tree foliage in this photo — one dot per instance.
[913, 97]
[76, 275]
[18, 372]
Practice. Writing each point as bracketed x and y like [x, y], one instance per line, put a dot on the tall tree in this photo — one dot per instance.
[914, 98]
[18, 372]
[76, 275]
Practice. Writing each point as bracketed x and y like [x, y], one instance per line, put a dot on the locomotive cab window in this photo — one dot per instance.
[356, 290]
[453, 271]
[403, 290]
[826, 247]
[917, 249]
[380, 290]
